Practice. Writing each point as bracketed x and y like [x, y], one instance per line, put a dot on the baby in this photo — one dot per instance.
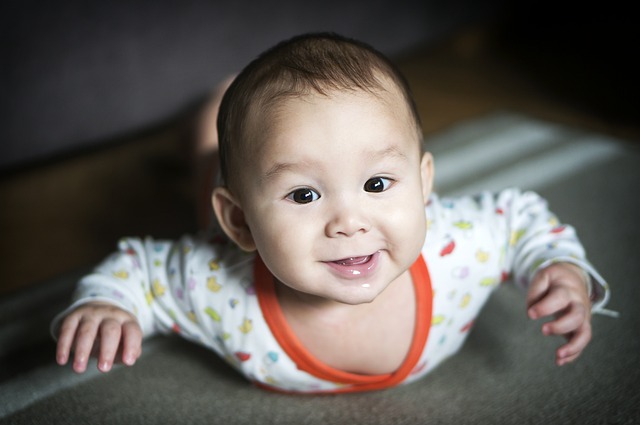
[340, 270]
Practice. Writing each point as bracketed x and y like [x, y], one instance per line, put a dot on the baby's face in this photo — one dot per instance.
[337, 192]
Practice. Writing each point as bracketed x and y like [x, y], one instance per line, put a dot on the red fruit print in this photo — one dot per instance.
[467, 327]
[558, 229]
[176, 328]
[448, 249]
[419, 368]
[499, 211]
[505, 276]
[242, 356]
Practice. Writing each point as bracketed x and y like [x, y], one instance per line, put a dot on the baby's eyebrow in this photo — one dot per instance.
[389, 151]
[282, 167]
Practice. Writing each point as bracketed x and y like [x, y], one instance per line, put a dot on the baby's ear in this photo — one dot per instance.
[426, 174]
[231, 218]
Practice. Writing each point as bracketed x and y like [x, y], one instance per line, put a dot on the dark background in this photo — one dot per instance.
[77, 74]
[96, 97]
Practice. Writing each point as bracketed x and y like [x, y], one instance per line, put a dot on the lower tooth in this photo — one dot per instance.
[354, 261]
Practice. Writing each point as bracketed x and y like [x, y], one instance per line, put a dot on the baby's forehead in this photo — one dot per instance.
[300, 119]
[271, 108]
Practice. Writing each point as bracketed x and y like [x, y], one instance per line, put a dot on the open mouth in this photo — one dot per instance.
[355, 267]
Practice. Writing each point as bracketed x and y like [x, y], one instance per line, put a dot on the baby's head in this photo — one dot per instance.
[323, 170]
[318, 64]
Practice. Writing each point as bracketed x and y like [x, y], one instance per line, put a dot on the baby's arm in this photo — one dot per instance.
[144, 288]
[547, 259]
[99, 326]
[111, 311]
[560, 290]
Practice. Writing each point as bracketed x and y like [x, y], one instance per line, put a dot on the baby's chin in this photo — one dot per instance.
[344, 297]
[358, 296]
[364, 293]
[358, 300]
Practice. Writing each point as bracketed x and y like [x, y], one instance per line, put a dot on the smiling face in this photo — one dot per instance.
[333, 198]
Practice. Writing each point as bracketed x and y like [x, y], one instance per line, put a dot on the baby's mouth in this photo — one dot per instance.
[355, 267]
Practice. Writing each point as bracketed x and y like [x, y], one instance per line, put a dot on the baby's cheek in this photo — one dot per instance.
[410, 230]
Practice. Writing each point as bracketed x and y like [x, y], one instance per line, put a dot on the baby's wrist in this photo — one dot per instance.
[586, 279]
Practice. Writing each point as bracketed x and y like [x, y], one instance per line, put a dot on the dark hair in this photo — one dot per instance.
[317, 62]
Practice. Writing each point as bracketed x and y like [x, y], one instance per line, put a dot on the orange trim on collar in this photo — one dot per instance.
[265, 288]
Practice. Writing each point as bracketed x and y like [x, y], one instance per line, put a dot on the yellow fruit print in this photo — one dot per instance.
[213, 314]
[516, 235]
[173, 315]
[192, 316]
[121, 274]
[463, 225]
[482, 256]
[149, 297]
[553, 221]
[157, 288]
[214, 265]
[489, 281]
[157, 263]
[436, 320]
[465, 300]
[246, 326]
[213, 285]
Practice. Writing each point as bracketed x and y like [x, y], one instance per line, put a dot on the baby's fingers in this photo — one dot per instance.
[555, 301]
[65, 339]
[131, 342]
[574, 347]
[85, 338]
[539, 287]
[110, 333]
[566, 323]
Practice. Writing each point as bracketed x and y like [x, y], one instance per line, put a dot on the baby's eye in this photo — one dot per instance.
[303, 196]
[377, 184]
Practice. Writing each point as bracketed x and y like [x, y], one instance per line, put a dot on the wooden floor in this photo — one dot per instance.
[69, 213]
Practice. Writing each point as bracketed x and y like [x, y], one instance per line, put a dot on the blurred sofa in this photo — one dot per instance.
[79, 74]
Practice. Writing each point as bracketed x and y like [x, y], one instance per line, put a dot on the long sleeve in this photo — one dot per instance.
[536, 239]
[125, 279]
[520, 229]
[474, 243]
[171, 287]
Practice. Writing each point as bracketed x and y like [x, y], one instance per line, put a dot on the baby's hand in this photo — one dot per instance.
[111, 326]
[561, 290]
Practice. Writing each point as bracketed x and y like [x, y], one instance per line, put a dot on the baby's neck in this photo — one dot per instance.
[371, 338]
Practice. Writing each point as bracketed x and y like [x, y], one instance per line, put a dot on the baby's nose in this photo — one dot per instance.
[348, 221]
